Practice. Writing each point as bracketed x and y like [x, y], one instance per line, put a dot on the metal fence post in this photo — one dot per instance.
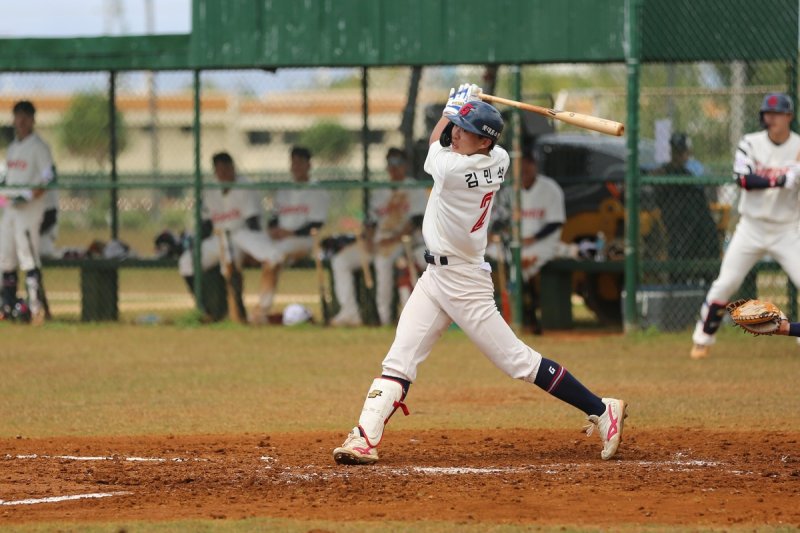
[632, 48]
[112, 125]
[198, 199]
[516, 149]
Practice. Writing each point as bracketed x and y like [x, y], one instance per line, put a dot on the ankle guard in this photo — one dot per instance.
[384, 397]
[714, 313]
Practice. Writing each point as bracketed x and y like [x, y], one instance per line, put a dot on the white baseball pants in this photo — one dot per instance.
[464, 294]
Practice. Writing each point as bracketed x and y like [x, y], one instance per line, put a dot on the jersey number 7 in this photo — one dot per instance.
[485, 205]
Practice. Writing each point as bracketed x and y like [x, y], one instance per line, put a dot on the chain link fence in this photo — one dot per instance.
[688, 206]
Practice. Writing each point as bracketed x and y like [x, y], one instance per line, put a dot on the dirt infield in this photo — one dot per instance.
[670, 476]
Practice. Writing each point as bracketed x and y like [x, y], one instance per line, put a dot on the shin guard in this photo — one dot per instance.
[712, 315]
[384, 397]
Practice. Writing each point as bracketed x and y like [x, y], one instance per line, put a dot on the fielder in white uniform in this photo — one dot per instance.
[235, 216]
[767, 168]
[29, 168]
[467, 169]
[295, 213]
[393, 213]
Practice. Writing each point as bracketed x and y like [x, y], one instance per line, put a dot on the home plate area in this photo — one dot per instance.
[525, 476]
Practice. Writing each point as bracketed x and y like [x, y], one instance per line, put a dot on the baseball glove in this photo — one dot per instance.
[756, 316]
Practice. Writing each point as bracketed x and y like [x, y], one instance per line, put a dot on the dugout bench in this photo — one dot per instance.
[557, 283]
[99, 285]
[99, 282]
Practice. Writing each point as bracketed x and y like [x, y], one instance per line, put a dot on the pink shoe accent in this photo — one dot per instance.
[361, 450]
[613, 429]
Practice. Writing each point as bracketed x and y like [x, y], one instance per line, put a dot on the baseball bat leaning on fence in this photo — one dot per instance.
[323, 292]
[236, 308]
[412, 265]
[505, 300]
[588, 122]
[42, 296]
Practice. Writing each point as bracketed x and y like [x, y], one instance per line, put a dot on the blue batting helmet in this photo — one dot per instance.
[775, 103]
[481, 119]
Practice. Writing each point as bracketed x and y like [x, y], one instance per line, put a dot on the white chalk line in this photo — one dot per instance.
[107, 458]
[56, 499]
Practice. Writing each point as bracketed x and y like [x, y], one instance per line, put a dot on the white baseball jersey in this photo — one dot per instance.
[297, 207]
[542, 204]
[757, 154]
[392, 208]
[29, 162]
[457, 215]
[229, 211]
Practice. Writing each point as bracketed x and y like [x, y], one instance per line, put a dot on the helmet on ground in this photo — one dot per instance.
[296, 314]
[775, 103]
[481, 119]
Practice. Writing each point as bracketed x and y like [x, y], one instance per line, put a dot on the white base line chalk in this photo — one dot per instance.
[55, 499]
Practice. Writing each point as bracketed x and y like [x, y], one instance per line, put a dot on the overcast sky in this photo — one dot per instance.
[90, 18]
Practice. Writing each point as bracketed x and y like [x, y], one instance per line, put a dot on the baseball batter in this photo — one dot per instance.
[295, 213]
[766, 167]
[393, 213]
[468, 169]
[29, 168]
[238, 214]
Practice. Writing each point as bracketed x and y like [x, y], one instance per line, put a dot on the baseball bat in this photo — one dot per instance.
[412, 266]
[589, 122]
[323, 298]
[235, 311]
[505, 301]
[42, 293]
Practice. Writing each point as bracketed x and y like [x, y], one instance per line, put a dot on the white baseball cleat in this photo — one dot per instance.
[610, 426]
[699, 351]
[355, 450]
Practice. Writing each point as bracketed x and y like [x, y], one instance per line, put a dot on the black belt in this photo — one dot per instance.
[431, 259]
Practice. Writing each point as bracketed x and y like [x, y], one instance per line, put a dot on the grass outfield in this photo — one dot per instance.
[122, 379]
[71, 379]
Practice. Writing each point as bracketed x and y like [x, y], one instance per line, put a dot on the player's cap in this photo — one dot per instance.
[24, 106]
[301, 152]
[777, 103]
[680, 142]
[479, 118]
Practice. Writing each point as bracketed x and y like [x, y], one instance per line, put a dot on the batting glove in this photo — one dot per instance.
[474, 93]
[457, 98]
[790, 179]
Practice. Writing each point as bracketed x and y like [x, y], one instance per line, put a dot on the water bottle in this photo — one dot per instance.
[600, 247]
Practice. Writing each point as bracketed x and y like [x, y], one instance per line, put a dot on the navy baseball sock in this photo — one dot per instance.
[404, 382]
[554, 379]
